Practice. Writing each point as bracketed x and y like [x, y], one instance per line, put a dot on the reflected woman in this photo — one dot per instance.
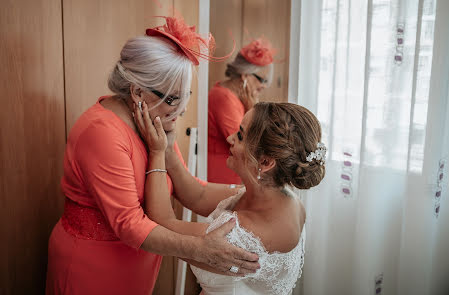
[248, 75]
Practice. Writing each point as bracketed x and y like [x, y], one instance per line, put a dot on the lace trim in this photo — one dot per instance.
[279, 271]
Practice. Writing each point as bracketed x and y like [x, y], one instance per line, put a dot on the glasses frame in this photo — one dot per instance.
[169, 99]
[260, 79]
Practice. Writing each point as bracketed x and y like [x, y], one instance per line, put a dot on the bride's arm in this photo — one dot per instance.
[158, 206]
[199, 196]
[157, 200]
[160, 210]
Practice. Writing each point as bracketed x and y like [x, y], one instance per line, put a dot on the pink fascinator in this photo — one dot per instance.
[259, 52]
[189, 43]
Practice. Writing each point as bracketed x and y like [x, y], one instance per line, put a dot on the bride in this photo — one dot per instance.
[278, 146]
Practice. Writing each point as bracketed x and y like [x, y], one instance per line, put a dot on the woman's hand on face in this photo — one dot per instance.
[219, 254]
[152, 131]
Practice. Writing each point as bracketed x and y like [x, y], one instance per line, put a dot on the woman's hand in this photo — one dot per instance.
[152, 132]
[216, 252]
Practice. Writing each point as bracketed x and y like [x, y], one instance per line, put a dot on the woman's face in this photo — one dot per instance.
[164, 110]
[258, 81]
[237, 159]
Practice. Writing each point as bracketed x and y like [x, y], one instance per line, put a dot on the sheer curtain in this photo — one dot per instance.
[375, 72]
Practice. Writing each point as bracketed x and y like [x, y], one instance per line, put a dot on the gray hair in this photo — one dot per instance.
[241, 66]
[152, 63]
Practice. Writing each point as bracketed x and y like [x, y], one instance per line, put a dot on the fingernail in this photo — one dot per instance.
[157, 118]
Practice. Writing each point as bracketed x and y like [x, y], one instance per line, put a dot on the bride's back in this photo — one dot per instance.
[278, 225]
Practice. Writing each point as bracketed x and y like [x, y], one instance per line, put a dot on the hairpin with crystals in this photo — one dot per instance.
[319, 154]
[190, 43]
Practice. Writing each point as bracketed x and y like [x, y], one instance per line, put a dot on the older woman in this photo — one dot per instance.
[249, 74]
[105, 243]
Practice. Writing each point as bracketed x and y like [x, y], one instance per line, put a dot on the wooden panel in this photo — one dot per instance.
[32, 139]
[225, 17]
[189, 10]
[276, 27]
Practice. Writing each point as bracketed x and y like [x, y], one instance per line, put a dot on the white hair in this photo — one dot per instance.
[152, 63]
[241, 66]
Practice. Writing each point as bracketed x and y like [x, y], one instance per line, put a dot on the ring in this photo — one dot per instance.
[234, 269]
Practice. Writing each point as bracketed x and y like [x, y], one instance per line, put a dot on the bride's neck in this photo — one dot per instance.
[258, 197]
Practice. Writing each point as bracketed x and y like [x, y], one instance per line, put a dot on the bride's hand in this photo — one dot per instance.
[152, 132]
[171, 137]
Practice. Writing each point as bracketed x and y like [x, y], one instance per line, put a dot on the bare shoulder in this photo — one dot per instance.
[279, 228]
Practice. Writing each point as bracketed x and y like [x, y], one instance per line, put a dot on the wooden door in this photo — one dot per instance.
[32, 139]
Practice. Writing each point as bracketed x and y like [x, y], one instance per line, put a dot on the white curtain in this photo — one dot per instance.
[375, 72]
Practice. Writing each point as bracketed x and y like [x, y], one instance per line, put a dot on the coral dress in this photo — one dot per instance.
[225, 114]
[94, 248]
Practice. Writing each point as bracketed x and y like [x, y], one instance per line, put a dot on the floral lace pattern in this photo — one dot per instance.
[278, 272]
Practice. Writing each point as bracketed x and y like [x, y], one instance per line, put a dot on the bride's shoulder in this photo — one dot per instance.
[279, 231]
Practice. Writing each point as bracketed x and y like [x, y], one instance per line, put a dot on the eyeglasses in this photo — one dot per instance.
[170, 99]
[260, 79]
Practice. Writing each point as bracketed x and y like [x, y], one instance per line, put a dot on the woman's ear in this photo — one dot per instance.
[244, 76]
[266, 164]
[136, 93]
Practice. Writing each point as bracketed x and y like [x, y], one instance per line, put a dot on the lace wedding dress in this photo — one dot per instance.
[278, 271]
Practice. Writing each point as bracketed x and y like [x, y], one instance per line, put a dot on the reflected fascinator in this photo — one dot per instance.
[189, 43]
[259, 52]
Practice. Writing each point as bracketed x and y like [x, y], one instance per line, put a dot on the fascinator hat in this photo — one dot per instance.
[259, 52]
[188, 42]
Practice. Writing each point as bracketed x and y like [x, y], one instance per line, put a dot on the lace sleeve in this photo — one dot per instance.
[278, 271]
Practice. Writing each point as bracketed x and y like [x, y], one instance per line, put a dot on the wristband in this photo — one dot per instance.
[155, 170]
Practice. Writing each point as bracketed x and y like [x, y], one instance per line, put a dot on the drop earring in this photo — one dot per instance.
[258, 175]
[139, 104]
[244, 84]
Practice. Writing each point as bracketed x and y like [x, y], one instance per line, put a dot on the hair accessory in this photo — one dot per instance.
[188, 41]
[258, 175]
[319, 154]
[155, 170]
[259, 52]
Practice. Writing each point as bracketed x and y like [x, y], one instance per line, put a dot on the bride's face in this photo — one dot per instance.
[237, 159]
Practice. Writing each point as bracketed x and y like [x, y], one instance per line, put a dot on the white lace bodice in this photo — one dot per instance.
[278, 271]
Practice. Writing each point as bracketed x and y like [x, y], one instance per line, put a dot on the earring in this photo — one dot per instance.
[139, 104]
[244, 84]
[258, 175]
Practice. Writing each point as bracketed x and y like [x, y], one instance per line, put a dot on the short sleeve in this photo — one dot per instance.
[241, 238]
[103, 156]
